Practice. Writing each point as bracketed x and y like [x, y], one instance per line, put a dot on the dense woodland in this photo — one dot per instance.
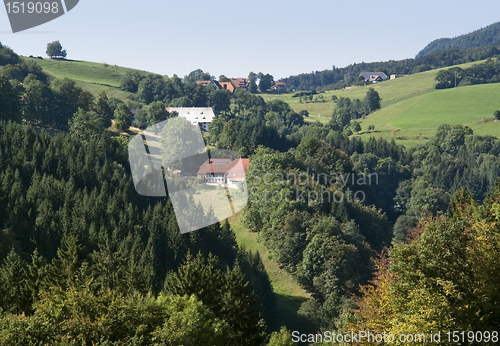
[478, 38]
[85, 260]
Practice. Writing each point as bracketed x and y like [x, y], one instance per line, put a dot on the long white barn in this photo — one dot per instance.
[201, 116]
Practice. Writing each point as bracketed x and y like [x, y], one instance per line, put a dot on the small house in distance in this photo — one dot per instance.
[373, 77]
[201, 116]
[279, 86]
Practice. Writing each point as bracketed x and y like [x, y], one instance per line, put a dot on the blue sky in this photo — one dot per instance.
[236, 37]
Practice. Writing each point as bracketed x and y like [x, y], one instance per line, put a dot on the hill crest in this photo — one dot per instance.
[478, 38]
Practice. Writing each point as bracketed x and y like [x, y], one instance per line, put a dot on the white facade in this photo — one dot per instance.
[201, 116]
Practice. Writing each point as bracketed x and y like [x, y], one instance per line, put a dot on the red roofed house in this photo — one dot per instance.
[279, 86]
[224, 171]
[240, 83]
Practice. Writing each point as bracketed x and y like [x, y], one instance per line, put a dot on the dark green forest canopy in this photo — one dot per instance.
[482, 37]
[72, 205]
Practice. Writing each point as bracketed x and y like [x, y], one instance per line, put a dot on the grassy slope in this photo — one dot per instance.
[391, 92]
[288, 293]
[91, 76]
[420, 116]
[411, 111]
[412, 108]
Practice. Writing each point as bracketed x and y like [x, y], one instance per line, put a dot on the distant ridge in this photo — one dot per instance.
[478, 38]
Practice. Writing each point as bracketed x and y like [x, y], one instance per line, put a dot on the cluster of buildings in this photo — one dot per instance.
[222, 171]
[377, 77]
[235, 83]
[231, 85]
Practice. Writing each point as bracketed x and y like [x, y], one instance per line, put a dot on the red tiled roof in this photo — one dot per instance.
[223, 166]
[240, 82]
[280, 85]
[237, 173]
[227, 85]
[209, 82]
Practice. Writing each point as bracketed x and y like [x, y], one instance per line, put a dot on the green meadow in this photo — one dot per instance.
[288, 292]
[421, 115]
[411, 108]
[91, 76]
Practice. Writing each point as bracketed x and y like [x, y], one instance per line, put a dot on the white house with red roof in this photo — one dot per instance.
[224, 171]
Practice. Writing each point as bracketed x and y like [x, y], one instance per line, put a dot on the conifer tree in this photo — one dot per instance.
[14, 293]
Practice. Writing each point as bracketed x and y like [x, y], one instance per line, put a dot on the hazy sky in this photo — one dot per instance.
[236, 37]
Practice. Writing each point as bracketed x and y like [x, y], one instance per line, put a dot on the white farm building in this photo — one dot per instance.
[201, 116]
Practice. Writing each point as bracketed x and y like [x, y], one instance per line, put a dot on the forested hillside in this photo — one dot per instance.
[421, 289]
[478, 38]
[372, 230]
[85, 259]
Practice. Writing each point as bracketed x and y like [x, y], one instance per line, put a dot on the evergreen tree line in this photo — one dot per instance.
[173, 92]
[80, 247]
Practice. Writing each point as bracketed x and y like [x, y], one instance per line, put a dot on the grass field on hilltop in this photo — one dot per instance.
[411, 108]
[91, 76]
[85, 71]
[390, 91]
[420, 116]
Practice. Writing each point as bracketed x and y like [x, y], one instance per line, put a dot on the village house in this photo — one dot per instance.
[232, 85]
[280, 86]
[373, 77]
[201, 116]
[224, 171]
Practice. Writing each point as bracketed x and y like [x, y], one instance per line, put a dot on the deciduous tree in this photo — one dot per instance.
[55, 50]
